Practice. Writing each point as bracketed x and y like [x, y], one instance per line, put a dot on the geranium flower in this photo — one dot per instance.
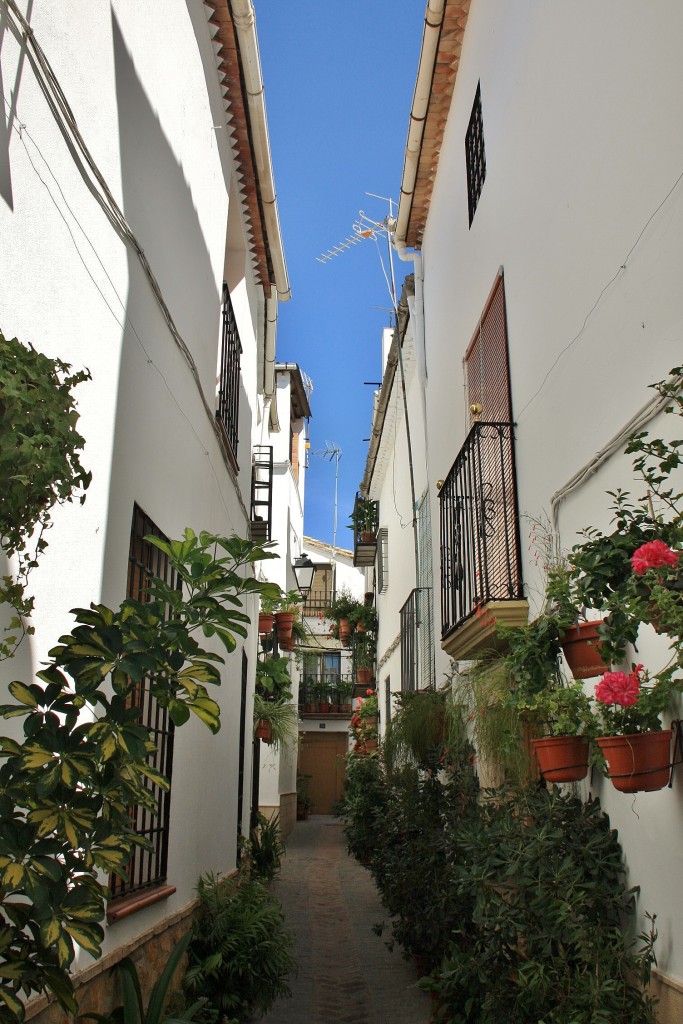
[619, 688]
[653, 555]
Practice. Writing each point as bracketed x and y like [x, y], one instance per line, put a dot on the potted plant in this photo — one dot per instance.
[563, 711]
[273, 679]
[364, 519]
[275, 721]
[287, 610]
[580, 638]
[321, 691]
[344, 692]
[364, 619]
[266, 618]
[304, 803]
[635, 747]
[340, 610]
[368, 718]
[365, 660]
[308, 698]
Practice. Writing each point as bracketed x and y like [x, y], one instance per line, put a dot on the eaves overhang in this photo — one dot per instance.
[444, 31]
[239, 74]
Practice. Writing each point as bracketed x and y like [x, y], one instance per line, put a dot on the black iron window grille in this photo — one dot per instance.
[475, 155]
[148, 866]
[479, 526]
[229, 382]
[416, 634]
[383, 560]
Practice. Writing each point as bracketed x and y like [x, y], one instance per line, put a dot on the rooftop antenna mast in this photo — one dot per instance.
[330, 452]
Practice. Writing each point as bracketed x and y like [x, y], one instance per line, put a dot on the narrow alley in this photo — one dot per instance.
[346, 973]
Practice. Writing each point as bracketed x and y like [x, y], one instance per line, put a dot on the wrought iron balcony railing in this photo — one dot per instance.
[479, 526]
[417, 640]
[365, 524]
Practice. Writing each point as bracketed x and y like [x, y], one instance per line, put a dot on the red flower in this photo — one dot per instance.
[653, 555]
[369, 693]
[619, 688]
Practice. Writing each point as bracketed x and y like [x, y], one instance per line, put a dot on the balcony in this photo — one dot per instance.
[481, 575]
[326, 694]
[417, 640]
[261, 492]
[365, 524]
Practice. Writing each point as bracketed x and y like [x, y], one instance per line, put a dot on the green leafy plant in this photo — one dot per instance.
[67, 789]
[343, 605]
[426, 723]
[133, 1009]
[559, 710]
[546, 939]
[39, 465]
[365, 616]
[627, 705]
[282, 717]
[365, 650]
[240, 954]
[273, 679]
[365, 516]
[266, 848]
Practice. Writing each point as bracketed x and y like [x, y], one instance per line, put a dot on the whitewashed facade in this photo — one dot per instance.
[147, 87]
[580, 213]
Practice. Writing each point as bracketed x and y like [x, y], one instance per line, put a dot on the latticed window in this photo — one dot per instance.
[229, 381]
[147, 867]
[383, 560]
[474, 155]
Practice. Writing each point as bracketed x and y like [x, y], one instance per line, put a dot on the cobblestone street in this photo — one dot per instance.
[346, 973]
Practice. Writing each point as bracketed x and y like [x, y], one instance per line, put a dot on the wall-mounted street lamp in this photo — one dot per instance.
[304, 571]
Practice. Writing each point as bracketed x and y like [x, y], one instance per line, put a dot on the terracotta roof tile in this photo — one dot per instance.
[445, 72]
[229, 73]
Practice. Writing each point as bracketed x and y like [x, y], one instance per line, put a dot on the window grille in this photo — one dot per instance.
[474, 155]
[425, 583]
[147, 867]
[229, 381]
[383, 560]
[415, 628]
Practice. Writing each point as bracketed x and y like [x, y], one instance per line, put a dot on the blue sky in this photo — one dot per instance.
[339, 78]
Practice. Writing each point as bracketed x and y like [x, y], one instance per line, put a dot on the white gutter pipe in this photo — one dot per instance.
[245, 26]
[434, 15]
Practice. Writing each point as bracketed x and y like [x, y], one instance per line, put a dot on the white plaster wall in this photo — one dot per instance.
[70, 286]
[583, 208]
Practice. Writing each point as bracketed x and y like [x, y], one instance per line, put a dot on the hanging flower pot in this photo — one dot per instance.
[344, 631]
[639, 763]
[581, 646]
[265, 623]
[286, 643]
[562, 758]
[284, 622]
[264, 731]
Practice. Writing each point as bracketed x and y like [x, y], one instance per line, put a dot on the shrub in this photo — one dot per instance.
[239, 956]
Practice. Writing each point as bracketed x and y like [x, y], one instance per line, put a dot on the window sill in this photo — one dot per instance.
[127, 905]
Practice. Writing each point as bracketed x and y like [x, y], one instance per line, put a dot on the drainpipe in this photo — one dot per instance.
[245, 28]
[434, 16]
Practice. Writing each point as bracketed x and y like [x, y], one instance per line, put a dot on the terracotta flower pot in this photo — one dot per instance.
[581, 646]
[265, 623]
[344, 631]
[367, 536]
[639, 763]
[284, 625]
[562, 758]
[363, 676]
[264, 731]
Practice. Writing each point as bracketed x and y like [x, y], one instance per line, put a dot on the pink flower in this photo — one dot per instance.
[653, 555]
[619, 688]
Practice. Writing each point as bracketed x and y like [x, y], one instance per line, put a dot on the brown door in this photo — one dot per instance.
[486, 362]
[321, 756]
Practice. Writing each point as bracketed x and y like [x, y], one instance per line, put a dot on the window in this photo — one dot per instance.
[383, 560]
[474, 155]
[229, 381]
[147, 868]
[320, 596]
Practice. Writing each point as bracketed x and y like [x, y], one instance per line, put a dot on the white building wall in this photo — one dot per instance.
[583, 208]
[70, 286]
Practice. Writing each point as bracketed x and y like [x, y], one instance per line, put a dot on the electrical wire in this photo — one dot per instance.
[621, 268]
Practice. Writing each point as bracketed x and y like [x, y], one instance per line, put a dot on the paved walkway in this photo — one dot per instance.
[346, 973]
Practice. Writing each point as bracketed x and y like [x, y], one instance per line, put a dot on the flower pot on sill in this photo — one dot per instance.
[363, 676]
[581, 646]
[638, 763]
[284, 622]
[367, 537]
[265, 623]
[264, 731]
[562, 758]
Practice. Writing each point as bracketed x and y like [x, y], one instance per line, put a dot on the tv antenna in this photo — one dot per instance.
[331, 452]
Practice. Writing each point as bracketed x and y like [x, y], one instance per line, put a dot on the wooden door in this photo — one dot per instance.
[322, 757]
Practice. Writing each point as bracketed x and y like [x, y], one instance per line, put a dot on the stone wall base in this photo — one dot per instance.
[669, 991]
[97, 988]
